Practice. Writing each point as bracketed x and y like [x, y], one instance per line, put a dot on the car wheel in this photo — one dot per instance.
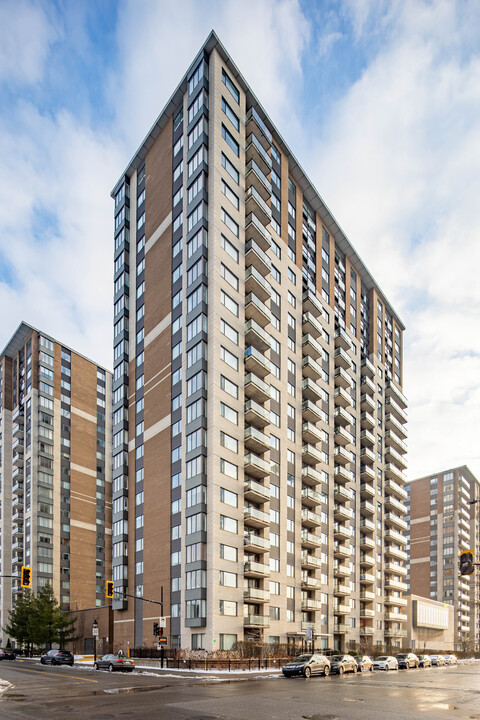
[54, 662]
[340, 670]
[110, 668]
[307, 672]
[326, 671]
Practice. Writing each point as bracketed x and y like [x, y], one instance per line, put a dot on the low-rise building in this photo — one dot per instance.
[430, 625]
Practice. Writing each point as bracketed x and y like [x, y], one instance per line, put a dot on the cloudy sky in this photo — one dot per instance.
[379, 101]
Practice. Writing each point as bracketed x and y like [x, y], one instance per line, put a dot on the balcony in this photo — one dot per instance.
[366, 403]
[310, 497]
[391, 423]
[365, 630]
[256, 440]
[367, 595]
[341, 609]
[17, 489]
[17, 446]
[255, 151]
[311, 369]
[311, 326]
[310, 605]
[367, 578]
[254, 229]
[18, 431]
[340, 570]
[311, 347]
[366, 543]
[256, 388]
[256, 492]
[256, 415]
[367, 560]
[393, 440]
[366, 613]
[312, 303]
[367, 386]
[367, 490]
[310, 561]
[395, 568]
[342, 378]
[310, 433]
[310, 454]
[256, 570]
[256, 335]
[393, 520]
[342, 456]
[256, 621]
[253, 517]
[311, 583]
[341, 474]
[394, 633]
[17, 474]
[392, 472]
[395, 409]
[310, 476]
[395, 536]
[367, 456]
[310, 519]
[17, 459]
[256, 283]
[342, 436]
[393, 488]
[341, 589]
[311, 391]
[256, 595]
[340, 550]
[255, 543]
[368, 368]
[342, 359]
[395, 552]
[255, 177]
[367, 438]
[341, 397]
[367, 526]
[18, 415]
[392, 455]
[367, 421]
[341, 532]
[341, 629]
[311, 412]
[341, 493]
[255, 309]
[341, 512]
[254, 123]
[392, 504]
[309, 540]
[342, 417]
[391, 390]
[367, 508]
[254, 203]
[256, 466]
[342, 340]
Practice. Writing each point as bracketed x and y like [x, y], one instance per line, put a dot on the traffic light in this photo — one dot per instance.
[26, 577]
[156, 629]
[466, 562]
[109, 589]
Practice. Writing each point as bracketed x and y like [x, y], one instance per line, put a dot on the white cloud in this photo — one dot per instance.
[399, 166]
[26, 34]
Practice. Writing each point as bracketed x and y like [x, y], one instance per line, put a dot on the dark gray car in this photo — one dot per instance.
[113, 662]
[306, 665]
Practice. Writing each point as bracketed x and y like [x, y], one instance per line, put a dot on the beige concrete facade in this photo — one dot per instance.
[442, 523]
[56, 471]
[430, 625]
[272, 497]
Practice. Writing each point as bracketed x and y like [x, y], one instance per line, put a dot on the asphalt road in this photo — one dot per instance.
[79, 693]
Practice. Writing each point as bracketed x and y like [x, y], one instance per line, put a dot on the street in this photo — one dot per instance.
[62, 692]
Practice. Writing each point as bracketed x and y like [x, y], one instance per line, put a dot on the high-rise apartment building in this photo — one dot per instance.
[259, 420]
[55, 458]
[442, 523]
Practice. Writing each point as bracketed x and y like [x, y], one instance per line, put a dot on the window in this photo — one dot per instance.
[231, 470]
[201, 211]
[228, 607]
[229, 303]
[276, 274]
[227, 552]
[230, 195]
[196, 77]
[230, 249]
[200, 100]
[200, 156]
[229, 524]
[230, 140]
[230, 387]
[229, 332]
[230, 277]
[230, 222]
[228, 413]
[231, 87]
[230, 114]
[228, 579]
[229, 442]
[200, 239]
[198, 184]
[194, 134]
[195, 466]
[230, 168]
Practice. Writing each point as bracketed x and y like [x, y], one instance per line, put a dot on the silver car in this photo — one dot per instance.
[307, 665]
[114, 662]
[385, 662]
[451, 660]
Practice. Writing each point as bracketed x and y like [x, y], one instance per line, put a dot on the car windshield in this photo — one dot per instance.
[401, 656]
[302, 659]
[381, 659]
[336, 658]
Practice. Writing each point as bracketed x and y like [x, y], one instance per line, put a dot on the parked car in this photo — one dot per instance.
[425, 661]
[113, 662]
[343, 663]
[7, 654]
[364, 662]
[385, 662]
[307, 665]
[451, 659]
[407, 660]
[57, 657]
[437, 660]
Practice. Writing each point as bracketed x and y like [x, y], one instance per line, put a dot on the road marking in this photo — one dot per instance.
[45, 672]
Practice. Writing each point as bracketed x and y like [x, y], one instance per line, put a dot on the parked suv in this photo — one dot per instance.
[57, 657]
[343, 663]
[7, 654]
[307, 665]
[407, 660]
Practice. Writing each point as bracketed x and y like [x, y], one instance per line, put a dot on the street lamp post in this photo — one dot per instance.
[95, 635]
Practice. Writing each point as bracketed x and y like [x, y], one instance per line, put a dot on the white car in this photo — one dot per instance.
[385, 662]
[451, 660]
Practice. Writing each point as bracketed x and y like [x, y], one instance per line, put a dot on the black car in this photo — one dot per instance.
[307, 665]
[57, 657]
[343, 663]
[7, 654]
[407, 660]
[364, 662]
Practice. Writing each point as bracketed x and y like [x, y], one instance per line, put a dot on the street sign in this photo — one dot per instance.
[162, 640]
[95, 632]
[162, 622]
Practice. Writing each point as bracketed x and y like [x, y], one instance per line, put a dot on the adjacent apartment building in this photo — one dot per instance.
[258, 414]
[442, 523]
[55, 464]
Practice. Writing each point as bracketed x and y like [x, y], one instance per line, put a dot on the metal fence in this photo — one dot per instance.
[230, 665]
